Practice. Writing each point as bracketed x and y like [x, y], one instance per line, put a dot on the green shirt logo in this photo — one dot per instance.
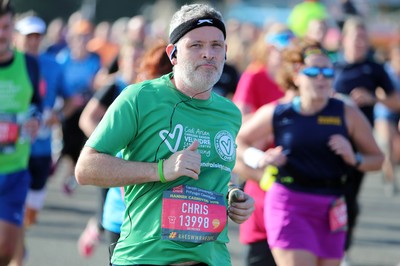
[225, 145]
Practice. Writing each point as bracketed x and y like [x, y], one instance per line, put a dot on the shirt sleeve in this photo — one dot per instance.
[383, 79]
[34, 75]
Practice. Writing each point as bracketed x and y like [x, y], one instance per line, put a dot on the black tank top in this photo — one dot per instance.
[311, 166]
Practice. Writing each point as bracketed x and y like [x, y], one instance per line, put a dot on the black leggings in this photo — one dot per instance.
[259, 254]
[39, 168]
[198, 264]
[352, 190]
[73, 137]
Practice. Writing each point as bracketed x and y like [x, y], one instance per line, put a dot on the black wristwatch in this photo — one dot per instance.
[232, 187]
[359, 160]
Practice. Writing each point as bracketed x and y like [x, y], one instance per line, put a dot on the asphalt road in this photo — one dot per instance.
[53, 241]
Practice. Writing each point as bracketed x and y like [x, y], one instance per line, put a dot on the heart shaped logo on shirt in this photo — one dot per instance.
[226, 145]
[170, 137]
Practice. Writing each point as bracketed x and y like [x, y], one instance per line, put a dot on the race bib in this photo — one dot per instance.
[191, 214]
[9, 133]
[338, 215]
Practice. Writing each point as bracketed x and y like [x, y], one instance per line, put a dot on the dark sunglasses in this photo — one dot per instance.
[313, 72]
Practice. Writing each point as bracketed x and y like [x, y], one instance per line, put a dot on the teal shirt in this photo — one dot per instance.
[143, 123]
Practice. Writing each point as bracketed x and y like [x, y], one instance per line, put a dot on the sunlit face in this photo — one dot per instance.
[6, 33]
[200, 58]
[28, 43]
[317, 30]
[319, 86]
[129, 61]
[274, 57]
[356, 44]
[78, 44]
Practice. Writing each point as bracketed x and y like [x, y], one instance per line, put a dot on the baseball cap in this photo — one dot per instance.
[31, 24]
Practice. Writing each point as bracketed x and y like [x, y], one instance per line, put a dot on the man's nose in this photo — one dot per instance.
[208, 53]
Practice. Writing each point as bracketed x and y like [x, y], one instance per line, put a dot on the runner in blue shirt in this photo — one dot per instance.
[29, 34]
[79, 67]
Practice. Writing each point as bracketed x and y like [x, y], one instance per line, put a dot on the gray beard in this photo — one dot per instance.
[202, 82]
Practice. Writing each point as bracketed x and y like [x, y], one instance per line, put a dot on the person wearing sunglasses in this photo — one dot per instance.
[313, 72]
[257, 86]
[305, 213]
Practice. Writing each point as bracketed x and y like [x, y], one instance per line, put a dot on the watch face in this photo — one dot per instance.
[359, 159]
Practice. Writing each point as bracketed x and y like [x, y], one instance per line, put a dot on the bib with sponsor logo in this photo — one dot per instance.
[191, 214]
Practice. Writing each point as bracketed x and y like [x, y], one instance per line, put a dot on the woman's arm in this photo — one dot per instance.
[362, 136]
[258, 129]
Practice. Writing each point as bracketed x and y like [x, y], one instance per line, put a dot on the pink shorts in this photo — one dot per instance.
[297, 220]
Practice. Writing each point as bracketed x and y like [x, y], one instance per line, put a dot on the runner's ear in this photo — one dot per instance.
[173, 53]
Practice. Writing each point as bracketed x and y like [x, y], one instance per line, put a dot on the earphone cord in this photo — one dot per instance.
[171, 117]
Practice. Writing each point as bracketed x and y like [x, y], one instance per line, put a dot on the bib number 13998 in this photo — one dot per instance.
[194, 221]
[191, 214]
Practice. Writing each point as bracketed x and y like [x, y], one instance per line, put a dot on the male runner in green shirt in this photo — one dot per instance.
[177, 139]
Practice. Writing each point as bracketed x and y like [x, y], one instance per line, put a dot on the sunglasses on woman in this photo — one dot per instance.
[312, 72]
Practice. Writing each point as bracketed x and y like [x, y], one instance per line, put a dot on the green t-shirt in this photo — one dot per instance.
[150, 121]
[16, 92]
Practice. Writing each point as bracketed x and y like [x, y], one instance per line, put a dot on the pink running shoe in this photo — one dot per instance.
[89, 239]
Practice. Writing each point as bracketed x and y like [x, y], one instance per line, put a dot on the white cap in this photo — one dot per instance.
[31, 24]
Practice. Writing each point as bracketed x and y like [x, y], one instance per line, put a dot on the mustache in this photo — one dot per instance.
[208, 62]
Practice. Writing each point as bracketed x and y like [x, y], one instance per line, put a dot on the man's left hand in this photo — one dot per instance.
[241, 206]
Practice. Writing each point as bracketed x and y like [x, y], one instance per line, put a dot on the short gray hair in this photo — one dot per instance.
[188, 12]
[352, 23]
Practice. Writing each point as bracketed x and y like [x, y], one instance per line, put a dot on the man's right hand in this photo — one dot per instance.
[362, 97]
[183, 163]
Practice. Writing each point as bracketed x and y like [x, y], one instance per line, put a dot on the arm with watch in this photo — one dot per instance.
[240, 204]
[367, 162]
[359, 160]
[363, 153]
